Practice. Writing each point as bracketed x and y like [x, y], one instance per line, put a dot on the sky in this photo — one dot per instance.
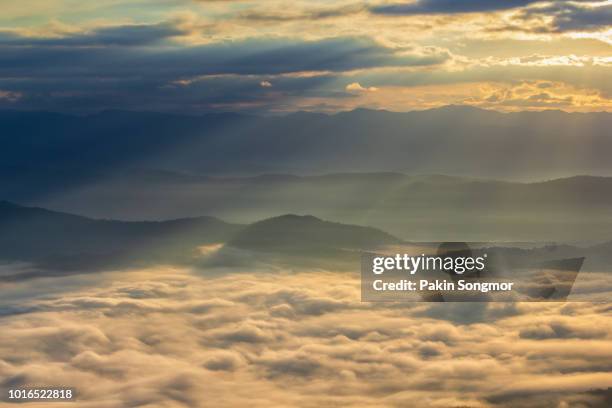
[270, 57]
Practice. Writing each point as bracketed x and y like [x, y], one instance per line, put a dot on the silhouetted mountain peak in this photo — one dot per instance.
[7, 204]
[579, 181]
[9, 209]
[291, 218]
[365, 113]
[306, 115]
[64, 242]
[454, 109]
[300, 233]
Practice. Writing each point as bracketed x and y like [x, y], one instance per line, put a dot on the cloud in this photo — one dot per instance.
[156, 63]
[541, 94]
[274, 56]
[356, 87]
[289, 364]
[308, 14]
[289, 339]
[574, 18]
[116, 67]
[514, 92]
[449, 6]
[10, 96]
[243, 333]
[565, 16]
[121, 35]
[224, 361]
[562, 330]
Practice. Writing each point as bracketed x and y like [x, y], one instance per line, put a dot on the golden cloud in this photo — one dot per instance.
[173, 337]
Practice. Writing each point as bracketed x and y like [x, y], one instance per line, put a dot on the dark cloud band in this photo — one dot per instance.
[111, 66]
[449, 6]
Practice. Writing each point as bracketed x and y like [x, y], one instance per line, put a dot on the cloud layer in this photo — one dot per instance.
[449, 6]
[202, 56]
[166, 337]
[133, 65]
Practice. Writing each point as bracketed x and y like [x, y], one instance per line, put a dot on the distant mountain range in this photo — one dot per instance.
[63, 243]
[303, 234]
[423, 208]
[48, 152]
[143, 165]
[66, 242]
[55, 243]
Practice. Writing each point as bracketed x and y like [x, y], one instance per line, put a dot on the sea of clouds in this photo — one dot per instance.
[187, 337]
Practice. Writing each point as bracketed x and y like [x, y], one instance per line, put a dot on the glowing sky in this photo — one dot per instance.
[278, 56]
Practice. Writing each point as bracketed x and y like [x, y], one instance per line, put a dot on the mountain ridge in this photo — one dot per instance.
[454, 108]
[422, 208]
[65, 243]
[297, 233]
[459, 140]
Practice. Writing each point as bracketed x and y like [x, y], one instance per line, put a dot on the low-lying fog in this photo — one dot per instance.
[179, 337]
